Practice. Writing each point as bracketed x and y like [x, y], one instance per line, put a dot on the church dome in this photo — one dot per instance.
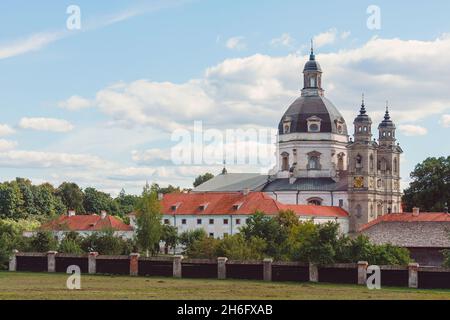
[312, 65]
[311, 109]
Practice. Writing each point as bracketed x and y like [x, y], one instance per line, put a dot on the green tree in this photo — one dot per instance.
[202, 179]
[267, 228]
[187, 238]
[430, 186]
[96, 201]
[170, 237]
[43, 241]
[106, 243]
[72, 196]
[149, 228]
[205, 248]
[236, 247]
[11, 201]
[126, 203]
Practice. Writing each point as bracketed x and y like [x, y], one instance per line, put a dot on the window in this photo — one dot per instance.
[371, 162]
[238, 221]
[166, 221]
[199, 221]
[341, 161]
[312, 82]
[211, 235]
[211, 221]
[315, 201]
[314, 127]
[313, 163]
[358, 211]
[359, 162]
[285, 161]
[225, 221]
[395, 165]
[341, 203]
[183, 221]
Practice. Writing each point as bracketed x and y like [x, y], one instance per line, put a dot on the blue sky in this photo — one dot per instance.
[97, 106]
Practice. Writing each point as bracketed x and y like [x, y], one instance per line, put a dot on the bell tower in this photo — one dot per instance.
[312, 76]
[388, 167]
[362, 154]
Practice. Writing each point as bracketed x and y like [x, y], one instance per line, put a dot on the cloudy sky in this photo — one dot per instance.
[99, 105]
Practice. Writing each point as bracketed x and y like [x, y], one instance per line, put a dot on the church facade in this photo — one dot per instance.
[320, 164]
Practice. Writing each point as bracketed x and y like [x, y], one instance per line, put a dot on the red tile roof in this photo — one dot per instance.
[86, 223]
[409, 217]
[239, 204]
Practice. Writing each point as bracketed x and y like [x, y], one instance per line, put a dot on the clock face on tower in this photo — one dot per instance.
[358, 182]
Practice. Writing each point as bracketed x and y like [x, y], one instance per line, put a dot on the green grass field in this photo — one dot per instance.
[45, 286]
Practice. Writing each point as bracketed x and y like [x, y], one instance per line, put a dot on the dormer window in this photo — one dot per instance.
[287, 125]
[175, 206]
[203, 206]
[314, 124]
[237, 206]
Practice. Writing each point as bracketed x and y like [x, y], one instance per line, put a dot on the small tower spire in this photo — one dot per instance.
[362, 111]
[387, 115]
[224, 170]
[312, 55]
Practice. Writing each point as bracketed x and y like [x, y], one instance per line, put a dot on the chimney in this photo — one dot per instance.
[103, 214]
[416, 212]
[160, 196]
[446, 208]
[246, 191]
[71, 213]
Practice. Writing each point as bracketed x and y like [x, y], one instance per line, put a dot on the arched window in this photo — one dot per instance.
[287, 128]
[358, 211]
[313, 163]
[315, 201]
[395, 165]
[285, 161]
[371, 162]
[312, 82]
[341, 162]
[380, 209]
[358, 163]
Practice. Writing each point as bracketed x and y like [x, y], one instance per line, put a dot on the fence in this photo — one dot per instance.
[412, 276]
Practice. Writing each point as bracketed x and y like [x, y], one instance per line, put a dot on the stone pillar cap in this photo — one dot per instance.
[135, 254]
[178, 257]
[363, 263]
[222, 259]
[413, 264]
[52, 252]
[268, 260]
[93, 253]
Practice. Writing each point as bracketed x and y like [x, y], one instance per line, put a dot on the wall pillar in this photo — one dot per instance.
[413, 281]
[267, 264]
[362, 272]
[177, 272]
[92, 262]
[134, 264]
[313, 273]
[13, 261]
[222, 268]
[51, 261]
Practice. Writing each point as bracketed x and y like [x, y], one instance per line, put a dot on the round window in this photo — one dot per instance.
[313, 127]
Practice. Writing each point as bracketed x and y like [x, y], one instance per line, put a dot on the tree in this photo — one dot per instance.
[106, 243]
[11, 201]
[96, 201]
[126, 203]
[149, 228]
[265, 227]
[43, 242]
[169, 237]
[187, 238]
[202, 179]
[236, 247]
[72, 196]
[430, 186]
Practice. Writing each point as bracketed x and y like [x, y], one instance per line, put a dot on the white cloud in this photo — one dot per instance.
[284, 40]
[46, 124]
[6, 130]
[31, 43]
[329, 37]
[6, 145]
[75, 103]
[445, 120]
[36, 159]
[236, 43]
[412, 130]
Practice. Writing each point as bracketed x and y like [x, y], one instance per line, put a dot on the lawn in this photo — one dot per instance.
[53, 286]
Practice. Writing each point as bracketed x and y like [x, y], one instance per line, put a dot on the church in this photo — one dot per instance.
[320, 164]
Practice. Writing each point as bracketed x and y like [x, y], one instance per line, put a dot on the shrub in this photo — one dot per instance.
[237, 248]
[106, 243]
[43, 241]
[205, 248]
